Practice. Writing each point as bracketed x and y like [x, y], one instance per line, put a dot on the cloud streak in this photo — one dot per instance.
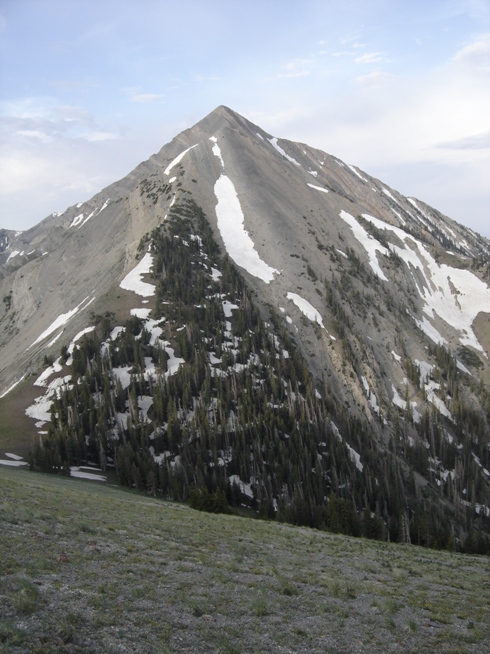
[479, 141]
[370, 58]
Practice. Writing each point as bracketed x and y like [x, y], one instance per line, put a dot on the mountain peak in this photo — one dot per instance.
[239, 295]
[217, 120]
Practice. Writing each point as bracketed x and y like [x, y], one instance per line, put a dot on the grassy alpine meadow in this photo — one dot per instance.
[88, 567]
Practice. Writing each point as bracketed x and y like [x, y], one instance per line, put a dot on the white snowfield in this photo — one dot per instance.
[134, 282]
[455, 295]
[231, 220]
[305, 307]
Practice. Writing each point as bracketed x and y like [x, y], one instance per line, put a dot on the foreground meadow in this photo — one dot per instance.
[88, 567]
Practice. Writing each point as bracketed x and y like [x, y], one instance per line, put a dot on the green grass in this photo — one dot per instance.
[149, 576]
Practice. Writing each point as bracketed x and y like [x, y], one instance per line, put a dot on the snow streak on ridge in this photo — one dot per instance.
[177, 159]
[230, 217]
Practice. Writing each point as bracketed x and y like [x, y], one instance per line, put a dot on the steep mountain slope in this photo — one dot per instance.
[308, 336]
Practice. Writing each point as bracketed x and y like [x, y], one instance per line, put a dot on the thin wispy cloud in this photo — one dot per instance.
[146, 97]
[370, 58]
[135, 95]
[42, 120]
[206, 78]
[375, 79]
[293, 73]
[300, 67]
[479, 141]
[476, 54]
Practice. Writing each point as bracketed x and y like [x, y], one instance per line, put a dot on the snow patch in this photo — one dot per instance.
[305, 307]
[355, 172]
[50, 370]
[133, 280]
[216, 150]
[228, 308]
[215, 274]
[177, 159]
[81, 473]
[355, 457]
[123, 374]
[140, 312]
[245, 488]
[15, 457]
[370, 395]
[371, 245]
[273, 142]
[238, 243]
[76, 221]
[13, 254]
[40, 410]
[319, 188]
[14, 464]
[430, 389]
[430, 331]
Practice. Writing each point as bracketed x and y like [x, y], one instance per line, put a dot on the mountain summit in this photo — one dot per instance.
[247, 314]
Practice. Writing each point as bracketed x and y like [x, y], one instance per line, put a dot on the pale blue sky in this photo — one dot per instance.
[400, 88]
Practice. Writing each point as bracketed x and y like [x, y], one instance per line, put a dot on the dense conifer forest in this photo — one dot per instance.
[230, 416]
